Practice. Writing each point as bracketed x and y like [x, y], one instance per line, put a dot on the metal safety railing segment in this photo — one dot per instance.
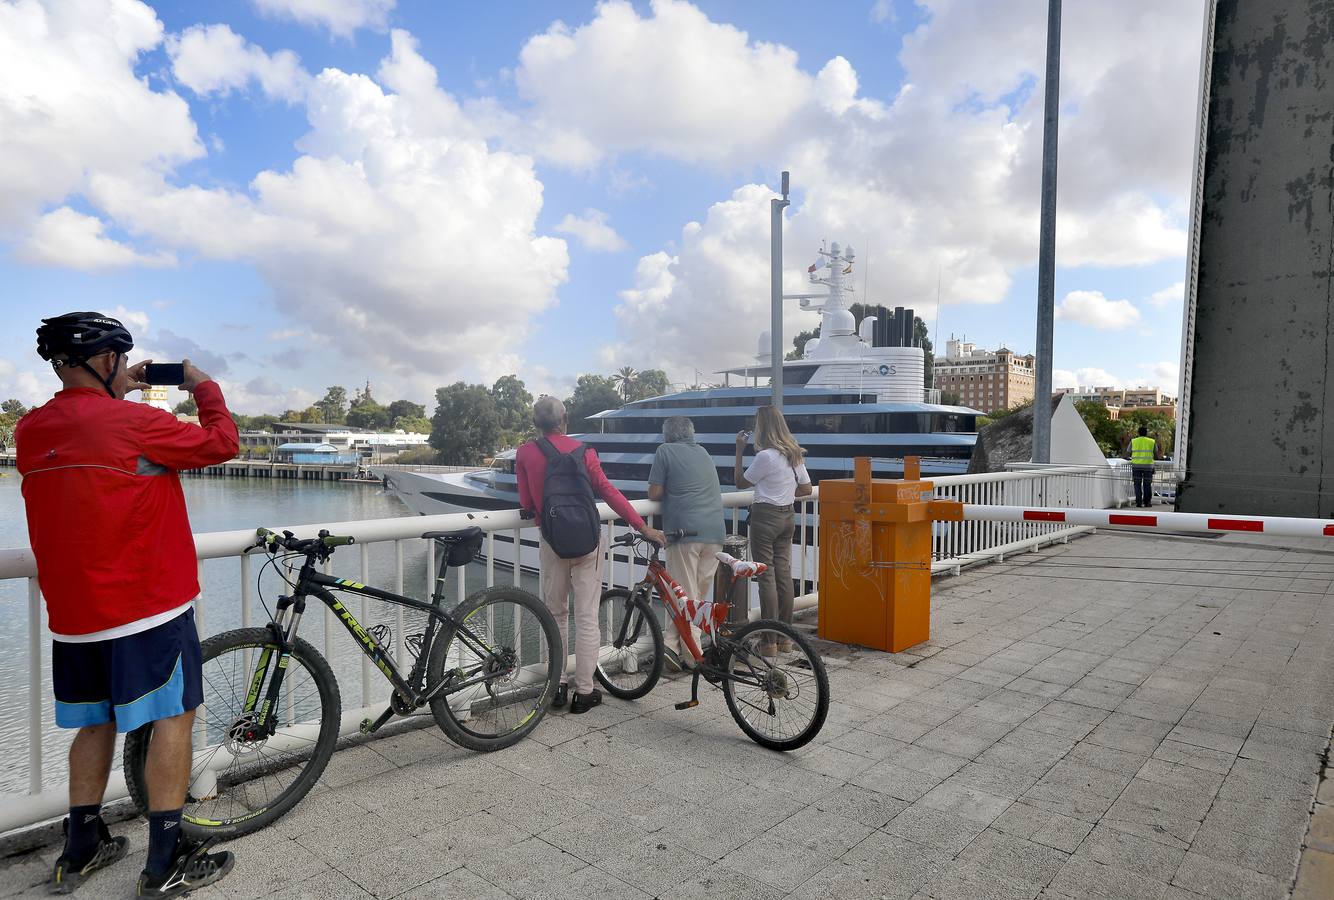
[955, 544]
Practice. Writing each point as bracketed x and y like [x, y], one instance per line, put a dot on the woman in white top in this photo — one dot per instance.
[778, 476]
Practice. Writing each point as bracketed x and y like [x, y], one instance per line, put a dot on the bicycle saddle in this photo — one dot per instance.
[462, 545]
[741, 568]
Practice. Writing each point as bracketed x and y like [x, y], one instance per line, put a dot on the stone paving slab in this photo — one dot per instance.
[1124, 716]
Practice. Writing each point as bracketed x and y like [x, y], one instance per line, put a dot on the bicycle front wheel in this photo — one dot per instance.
[242, 780]
[496, 669]
[776, 687]
[629, 645]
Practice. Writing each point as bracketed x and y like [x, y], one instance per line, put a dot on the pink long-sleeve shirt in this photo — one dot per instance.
[530, 466]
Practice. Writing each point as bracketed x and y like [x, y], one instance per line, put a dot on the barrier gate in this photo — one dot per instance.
[875, 548]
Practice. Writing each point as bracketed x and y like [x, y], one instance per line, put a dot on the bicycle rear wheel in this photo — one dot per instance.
[240, 781]
[629, 645]
[500, 665]
[776, 687]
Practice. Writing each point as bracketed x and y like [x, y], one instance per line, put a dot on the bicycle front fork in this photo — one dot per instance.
[284, 634]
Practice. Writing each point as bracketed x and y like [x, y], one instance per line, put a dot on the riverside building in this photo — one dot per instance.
[988, 380]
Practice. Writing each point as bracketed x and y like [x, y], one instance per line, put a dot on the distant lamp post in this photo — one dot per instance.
[776, 208]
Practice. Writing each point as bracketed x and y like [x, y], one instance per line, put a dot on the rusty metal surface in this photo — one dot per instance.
[1260, 392]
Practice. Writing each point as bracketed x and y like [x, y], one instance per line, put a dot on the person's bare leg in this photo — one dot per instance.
[169, 756]
[90, 763]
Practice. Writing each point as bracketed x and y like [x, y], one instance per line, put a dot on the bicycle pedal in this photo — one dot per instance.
[367, 726]
[687, 704]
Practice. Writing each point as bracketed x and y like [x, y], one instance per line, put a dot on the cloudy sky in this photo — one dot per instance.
[298, 193]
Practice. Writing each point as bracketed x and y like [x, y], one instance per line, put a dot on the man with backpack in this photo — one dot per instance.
[558, 480]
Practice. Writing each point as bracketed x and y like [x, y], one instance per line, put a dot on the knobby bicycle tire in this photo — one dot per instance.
[465, 729]
[201, 821]
[647, 617]
[818, 677]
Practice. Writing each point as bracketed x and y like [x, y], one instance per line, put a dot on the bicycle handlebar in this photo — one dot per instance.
[630, 538]
[323, 542]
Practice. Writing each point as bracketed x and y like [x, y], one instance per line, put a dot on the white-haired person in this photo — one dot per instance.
[558, 479]
[779, 476]
[684, 478]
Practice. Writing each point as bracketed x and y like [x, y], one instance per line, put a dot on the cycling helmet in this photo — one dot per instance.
[75, 338]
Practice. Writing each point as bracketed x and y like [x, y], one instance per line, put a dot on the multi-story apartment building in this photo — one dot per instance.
[988, 380]
[1122, 399]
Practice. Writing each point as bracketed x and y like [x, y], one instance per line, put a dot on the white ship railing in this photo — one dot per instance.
[956, 545]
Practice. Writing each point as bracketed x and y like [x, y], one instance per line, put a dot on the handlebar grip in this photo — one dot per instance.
[338, 540]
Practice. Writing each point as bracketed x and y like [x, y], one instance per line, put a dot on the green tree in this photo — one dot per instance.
[1106, 432]
[417, 456]
[363, 397]
[263, 422]
[187, 407]
[624, 379]
[513, 402]
[592, 394]
[312, 415]
[413, 424]
[406, 409]
[466, 424]
[13, 407]
[650, 383]
[949, 399]
[333, 408]
[1162, 428]
[371, 416]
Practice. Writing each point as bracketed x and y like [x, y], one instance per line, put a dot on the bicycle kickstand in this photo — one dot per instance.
[694, 693]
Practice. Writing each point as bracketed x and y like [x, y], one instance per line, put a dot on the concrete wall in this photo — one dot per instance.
[1260, 392]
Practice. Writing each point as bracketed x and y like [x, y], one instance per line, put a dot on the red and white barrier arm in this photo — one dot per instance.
[1164, 521]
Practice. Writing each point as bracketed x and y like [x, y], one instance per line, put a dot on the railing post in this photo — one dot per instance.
[34, 687]
[366, 674]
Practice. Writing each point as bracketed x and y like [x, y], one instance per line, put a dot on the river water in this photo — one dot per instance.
[216, 504]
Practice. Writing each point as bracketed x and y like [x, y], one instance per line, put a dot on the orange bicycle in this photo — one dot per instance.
[771, 677]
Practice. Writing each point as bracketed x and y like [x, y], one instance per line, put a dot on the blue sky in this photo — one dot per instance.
[298, 193]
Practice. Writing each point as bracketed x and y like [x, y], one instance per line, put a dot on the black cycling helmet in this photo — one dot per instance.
[75, 338]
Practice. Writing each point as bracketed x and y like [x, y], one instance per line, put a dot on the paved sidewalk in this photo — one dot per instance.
[1149, 723]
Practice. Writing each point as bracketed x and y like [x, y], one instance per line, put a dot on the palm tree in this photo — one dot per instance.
[626, 377]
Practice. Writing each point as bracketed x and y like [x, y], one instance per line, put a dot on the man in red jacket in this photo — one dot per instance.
[116, 563]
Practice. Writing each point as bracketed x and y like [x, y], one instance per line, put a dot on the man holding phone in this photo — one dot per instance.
[117, 566]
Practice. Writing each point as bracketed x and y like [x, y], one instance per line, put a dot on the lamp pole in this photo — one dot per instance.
[1047, 240]
[776, 208]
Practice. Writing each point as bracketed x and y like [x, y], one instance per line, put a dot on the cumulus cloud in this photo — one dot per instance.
[942, 178]
[73, 240]
[385, 232]
[1171, 295]
[168, 345]
[1165, 375]
[1085, 378]
[72, 107]
[26, 385]
[592, 231]
[211, 59]
[674, 84]
[1093, 309]
[135, 319]
[264, 394]
[341, 17]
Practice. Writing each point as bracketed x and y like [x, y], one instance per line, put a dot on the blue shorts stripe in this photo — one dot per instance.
[162, 702]
[81, 715]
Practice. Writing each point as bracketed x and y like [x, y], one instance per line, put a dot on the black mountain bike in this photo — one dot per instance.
[271, 715]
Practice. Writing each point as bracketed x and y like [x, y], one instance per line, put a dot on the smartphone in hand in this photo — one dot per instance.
[170, 374]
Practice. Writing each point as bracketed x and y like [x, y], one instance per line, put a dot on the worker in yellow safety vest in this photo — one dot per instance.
[1142, 452]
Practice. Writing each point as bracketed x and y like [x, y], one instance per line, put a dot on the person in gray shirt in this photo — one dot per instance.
[684, 478]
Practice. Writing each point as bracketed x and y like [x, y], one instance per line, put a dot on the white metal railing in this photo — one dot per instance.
[955, 545]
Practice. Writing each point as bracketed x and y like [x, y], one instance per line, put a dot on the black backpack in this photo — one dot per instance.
[569, 517]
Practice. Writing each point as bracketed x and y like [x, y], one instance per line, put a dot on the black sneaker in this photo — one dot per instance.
[68, 874]
[192, 867]
[562, 697]
[582, 703]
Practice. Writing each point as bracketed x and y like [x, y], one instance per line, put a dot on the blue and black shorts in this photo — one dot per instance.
[131, 680]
